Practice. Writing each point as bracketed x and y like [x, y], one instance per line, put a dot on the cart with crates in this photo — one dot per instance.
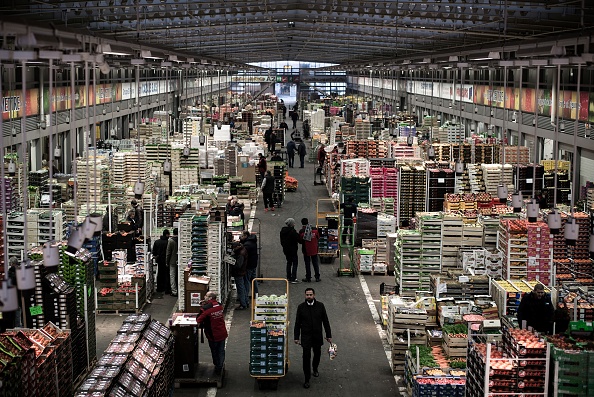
[328, 227]
[269, 327]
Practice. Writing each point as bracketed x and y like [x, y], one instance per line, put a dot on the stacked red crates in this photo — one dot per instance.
[540, 251]
[377, 181]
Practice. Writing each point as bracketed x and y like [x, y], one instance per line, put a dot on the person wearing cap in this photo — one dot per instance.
[289, 239]
[138, 215]
[537, 310]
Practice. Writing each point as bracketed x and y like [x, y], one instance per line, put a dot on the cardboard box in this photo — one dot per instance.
[194, 293]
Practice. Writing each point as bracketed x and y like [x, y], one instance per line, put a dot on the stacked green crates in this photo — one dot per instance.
[574, 365]
[357, 188]
[267, 350]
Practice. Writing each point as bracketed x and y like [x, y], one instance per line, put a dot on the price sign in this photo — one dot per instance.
[36, 310]
[440, 180]
[463, 279]
[442, 287]
[531, 261]
[528, 180]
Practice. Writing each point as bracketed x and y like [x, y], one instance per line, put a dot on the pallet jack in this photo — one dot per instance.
[319, 174]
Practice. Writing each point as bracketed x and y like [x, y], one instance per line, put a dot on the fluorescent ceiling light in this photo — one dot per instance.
[560, 61]
[108, 49]
[453, 58]
[539, 62]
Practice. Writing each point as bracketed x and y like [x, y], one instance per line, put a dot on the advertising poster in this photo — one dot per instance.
[528, 100]
[567, 104]
[545, 101]
[14, 107]
[591, 108]
[481, 95]
[583, 109]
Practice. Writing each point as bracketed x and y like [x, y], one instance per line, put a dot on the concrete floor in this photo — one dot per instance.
[361, 367]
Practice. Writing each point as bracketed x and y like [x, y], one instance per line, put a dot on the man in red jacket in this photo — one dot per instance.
[212, 319]
[309, 238]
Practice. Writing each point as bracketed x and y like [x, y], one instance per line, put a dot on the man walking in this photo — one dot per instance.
[250, 243]
[294, 117]
[311, 316]
[309, 238]
[171, 259]
[268, 191]
[239, 272]
[301, 152]
[291, 148]
[160, 254]
[289, 239]
[212, 320]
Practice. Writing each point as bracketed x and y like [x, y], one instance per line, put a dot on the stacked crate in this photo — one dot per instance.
[492, 177]
[59, 303]
[355, 187]
[439, 183]
[78, 272]
[185, 252]
[216, 271]
[563, 187]
[412, 199]
[407, 259]
[402, 322]
[451, 236]
[199, 258]
[429, 224]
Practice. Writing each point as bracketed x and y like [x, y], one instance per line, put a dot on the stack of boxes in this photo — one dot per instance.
[199, 266]
[540, 252]
[451, 236]
[403, 322]
[268, 336]
[216, 248]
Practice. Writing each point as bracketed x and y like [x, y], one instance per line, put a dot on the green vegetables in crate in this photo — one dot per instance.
[458, 363]
[455, 329]
[426, 358]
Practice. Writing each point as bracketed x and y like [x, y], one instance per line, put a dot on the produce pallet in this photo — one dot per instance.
[118, 311]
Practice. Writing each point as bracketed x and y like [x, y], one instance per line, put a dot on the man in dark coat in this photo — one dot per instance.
[212, 319]
[250, 242]
[302, 152]
[294, 117]
[311, 317]
[289, 239]
[160, 254]
[291, 148]
[537, 310]
[268, 190]
[238, 272]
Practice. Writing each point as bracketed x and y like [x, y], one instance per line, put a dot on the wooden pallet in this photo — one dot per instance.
[204, 375]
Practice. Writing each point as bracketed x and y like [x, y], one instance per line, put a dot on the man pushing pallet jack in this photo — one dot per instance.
[319, 169]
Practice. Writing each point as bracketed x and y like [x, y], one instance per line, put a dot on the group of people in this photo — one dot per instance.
[165, 254]
[296, 146]
[290, 239]
[245, 253]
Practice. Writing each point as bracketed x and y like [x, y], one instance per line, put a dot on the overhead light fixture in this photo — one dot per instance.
[108, 49]
[167, 167]
[51, 254]
[502, 192]
[453, 58]
[514, 117]
[11, 168]
[517, 201]
[186, 151]
[75, 241]
[57, 152]
[532, 209]
[138, 189]
[459, 167]
[554, 221]
[25, 276]
[572, 230]
[431, 153]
